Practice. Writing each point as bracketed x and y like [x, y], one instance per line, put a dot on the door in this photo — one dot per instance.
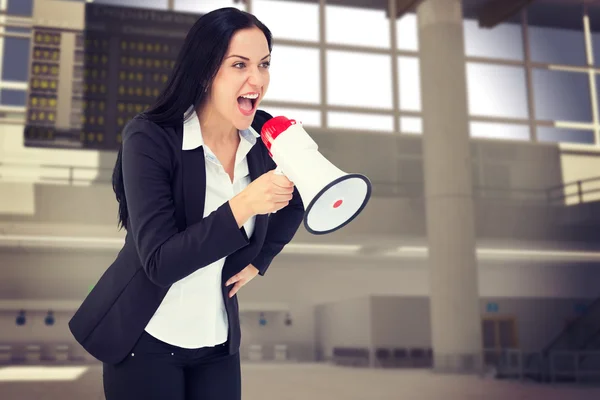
[498, 333]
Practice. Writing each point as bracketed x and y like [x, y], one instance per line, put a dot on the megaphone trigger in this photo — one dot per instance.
[278, 171]
[332, 198]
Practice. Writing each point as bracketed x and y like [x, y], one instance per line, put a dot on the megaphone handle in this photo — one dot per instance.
[278, 171]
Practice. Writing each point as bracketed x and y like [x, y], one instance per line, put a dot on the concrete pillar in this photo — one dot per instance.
[454, 301]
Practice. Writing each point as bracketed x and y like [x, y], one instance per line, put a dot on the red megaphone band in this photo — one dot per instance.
[273, 128]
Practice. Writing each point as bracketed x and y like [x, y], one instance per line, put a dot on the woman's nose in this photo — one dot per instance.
[255, 78]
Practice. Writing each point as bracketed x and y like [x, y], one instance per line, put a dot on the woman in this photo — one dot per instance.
[195, 187]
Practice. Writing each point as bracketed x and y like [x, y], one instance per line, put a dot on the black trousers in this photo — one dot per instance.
[159, 371]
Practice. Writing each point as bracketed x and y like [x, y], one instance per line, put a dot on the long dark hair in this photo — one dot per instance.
[198, 62]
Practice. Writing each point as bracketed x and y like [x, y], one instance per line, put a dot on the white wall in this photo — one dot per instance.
[404, 321]
[303, 283]
[345, 323]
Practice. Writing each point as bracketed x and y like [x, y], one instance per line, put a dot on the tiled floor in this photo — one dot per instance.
[316, 381]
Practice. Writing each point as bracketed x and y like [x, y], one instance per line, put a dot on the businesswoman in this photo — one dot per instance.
[204, 214]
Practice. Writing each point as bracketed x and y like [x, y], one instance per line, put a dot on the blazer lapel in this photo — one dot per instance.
[194, 184]
[256, 167]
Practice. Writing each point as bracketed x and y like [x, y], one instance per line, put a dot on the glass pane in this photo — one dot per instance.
[407, 33]
[557, 46]
[551, 134]
[358, 79]
[409, 78]
[204, 6]
[562, 95]
[306, 117]
[303, 26]
[497, 90]
[12, 29]
[594, 16]
[411, 125]
[596, 48]
[295, 75]
[349, 25]
[10, 97]
[153, 4]
[20, 7]
[357, 121]
[556, 33]
[15, 62]
[503, 41]
[493, 130]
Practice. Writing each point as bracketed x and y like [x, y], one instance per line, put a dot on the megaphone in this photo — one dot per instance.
[332, 198]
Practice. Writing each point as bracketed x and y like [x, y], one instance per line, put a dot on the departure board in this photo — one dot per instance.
[104, 74]
[43, 87]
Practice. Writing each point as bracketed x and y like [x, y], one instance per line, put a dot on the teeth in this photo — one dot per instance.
[250, 96]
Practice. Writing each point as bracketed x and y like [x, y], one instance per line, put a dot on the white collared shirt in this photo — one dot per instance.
[193, 314]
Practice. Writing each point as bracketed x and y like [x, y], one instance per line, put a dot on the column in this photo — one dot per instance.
[454, 297]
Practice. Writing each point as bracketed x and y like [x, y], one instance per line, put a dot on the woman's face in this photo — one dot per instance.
[242, 79]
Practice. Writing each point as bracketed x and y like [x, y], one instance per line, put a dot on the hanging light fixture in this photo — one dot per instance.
[262, 320]
[288, 319]
[21, 319]
[49, 320]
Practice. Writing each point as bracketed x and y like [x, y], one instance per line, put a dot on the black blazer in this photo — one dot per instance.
[168, 238]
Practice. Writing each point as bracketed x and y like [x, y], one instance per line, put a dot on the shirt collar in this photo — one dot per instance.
[192, 134]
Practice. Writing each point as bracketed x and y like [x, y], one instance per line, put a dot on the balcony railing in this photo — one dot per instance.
[576, 192]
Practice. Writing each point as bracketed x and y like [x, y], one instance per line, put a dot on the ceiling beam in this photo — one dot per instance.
[404, 6]
[497, 11]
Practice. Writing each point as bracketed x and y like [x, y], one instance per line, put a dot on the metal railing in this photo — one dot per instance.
[576, 192]
[577, 189]
[580, 332]
[581, 366]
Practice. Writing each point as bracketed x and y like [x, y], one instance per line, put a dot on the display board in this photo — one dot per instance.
[85, 85]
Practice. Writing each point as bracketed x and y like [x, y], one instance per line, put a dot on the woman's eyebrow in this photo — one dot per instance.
[246, 58]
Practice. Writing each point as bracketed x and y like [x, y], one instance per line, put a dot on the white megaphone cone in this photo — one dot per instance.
[332, 198]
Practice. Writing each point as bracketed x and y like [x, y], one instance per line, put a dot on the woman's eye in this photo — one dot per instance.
[239, 65]
[266, 64]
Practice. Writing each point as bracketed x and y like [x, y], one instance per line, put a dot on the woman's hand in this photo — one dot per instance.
[241, 278]
[268, 193]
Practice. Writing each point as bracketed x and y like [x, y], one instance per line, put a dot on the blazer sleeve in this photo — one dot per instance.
[166, 254]
[281, 228]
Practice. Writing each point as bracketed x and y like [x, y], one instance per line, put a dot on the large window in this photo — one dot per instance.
[348, 25]
[537, 89]
[295, 75]
[289, 20]
[359, 80]
[531, 78]
[355, 92]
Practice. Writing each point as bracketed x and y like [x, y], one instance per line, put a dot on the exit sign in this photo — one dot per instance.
[492, 307]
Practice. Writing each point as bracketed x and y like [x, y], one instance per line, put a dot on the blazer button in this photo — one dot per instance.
[132, 354]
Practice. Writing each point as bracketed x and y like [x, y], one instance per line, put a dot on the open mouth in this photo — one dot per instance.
[247, 103]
